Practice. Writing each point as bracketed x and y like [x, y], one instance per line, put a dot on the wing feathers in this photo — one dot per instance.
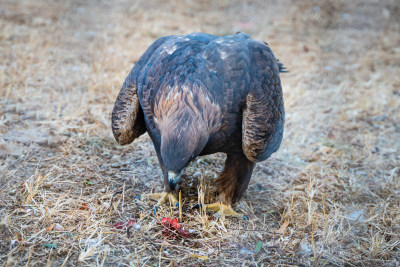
[263, 115]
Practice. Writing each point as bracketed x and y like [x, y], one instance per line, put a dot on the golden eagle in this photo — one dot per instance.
[199, 94]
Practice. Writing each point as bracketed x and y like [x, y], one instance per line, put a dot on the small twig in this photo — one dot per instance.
[140, 257]
[262, 230]
[30, 255]
[117, 193]
[180, 205]
[66, 258]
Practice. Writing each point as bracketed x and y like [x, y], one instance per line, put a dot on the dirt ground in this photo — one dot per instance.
[329, 197]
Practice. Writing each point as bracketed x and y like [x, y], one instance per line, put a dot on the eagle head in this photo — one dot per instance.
[183, 137]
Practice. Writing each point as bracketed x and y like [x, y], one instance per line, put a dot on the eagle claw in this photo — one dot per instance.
[221, 209]
[162, 198]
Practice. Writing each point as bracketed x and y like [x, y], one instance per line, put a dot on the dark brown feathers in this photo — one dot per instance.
[263, 115]
[127, 119]
[199, 94]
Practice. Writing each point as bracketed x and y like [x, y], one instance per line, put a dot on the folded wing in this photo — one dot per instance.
[263, 114]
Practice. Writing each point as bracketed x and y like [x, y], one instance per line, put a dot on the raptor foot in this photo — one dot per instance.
[224, 210]
[162, 198]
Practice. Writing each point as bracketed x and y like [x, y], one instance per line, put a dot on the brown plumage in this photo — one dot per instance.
[199, 94]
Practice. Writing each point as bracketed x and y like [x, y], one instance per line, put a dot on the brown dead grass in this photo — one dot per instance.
[329, 197]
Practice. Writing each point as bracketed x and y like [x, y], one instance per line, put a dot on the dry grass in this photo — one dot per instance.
[330, 196]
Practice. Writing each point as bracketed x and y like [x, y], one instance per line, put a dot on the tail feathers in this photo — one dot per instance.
[282, 68]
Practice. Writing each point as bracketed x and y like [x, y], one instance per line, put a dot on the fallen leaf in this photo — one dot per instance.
[48, 229]
[83, 206]
[57, 227]
[87, 182]
[259, 246]
[50, 245]
[201, 257]
[283, 227]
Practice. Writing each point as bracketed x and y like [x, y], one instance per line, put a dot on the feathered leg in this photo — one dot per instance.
[232, 183]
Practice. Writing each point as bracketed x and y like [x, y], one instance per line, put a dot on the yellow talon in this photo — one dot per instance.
[223, 209]
[163, 198]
